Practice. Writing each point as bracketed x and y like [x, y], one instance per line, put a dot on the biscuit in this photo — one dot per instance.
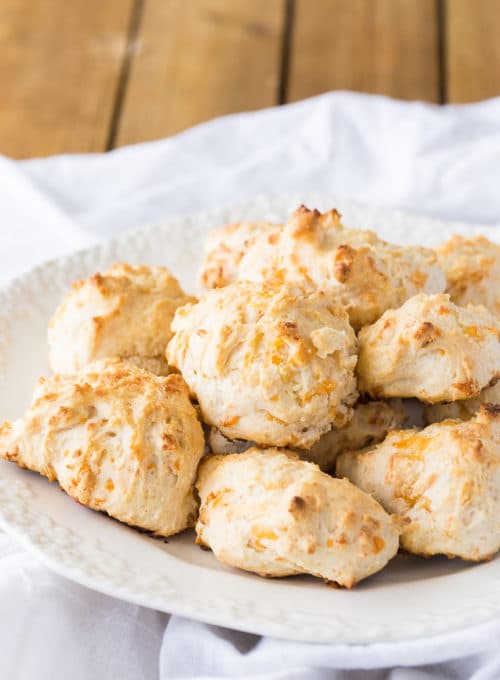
[314, 250]
[269, 365]
[268, 512]
[472, 268]
[443, 480]
[125, 312]
[117, 439]
[430, 349]
[225, 249]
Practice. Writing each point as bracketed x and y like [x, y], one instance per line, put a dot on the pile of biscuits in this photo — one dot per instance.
[270, 412]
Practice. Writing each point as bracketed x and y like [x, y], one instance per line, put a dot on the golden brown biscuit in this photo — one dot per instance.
[269, 365]
[125, 312]
[117, 439]
[268, 512]
[225, 249]
[444, 480]
[314, 250]
[472, 267]
[430, 349]
[434, 413]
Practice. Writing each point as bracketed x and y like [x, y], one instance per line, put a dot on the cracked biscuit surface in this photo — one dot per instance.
[117, 439]
[125, 312]
[314, 250]
[430, 349]
[472, 268]
[444, 480]
[269, 365]
[268, 512]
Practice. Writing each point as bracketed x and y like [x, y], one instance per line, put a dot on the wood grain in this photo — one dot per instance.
[199, 59]
[381, 46]
[70, 82]
[472, 45]
[60, 65]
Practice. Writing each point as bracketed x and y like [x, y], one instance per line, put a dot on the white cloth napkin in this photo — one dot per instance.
[437, 161]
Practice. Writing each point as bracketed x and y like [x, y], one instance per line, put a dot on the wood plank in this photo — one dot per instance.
[472, 49]
[200, 59]
[380, 46]
[60, 66]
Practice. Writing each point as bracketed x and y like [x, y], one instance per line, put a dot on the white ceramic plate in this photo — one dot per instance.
[409, 599]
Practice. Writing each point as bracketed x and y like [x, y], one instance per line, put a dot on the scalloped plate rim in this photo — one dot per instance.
[252, 623]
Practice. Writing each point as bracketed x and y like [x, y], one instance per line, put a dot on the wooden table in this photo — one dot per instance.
[90, 75]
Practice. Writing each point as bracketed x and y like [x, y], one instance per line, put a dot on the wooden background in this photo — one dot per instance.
[90, 75]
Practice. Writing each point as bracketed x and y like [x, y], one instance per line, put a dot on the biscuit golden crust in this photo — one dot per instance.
[365, 273]
[125, 312]
[434, 413]
[472, 267]
[226, 247]
[444, 480]
[268, 512]
[117, 439]
[370, 423]
[430, 349]
[269, 365]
